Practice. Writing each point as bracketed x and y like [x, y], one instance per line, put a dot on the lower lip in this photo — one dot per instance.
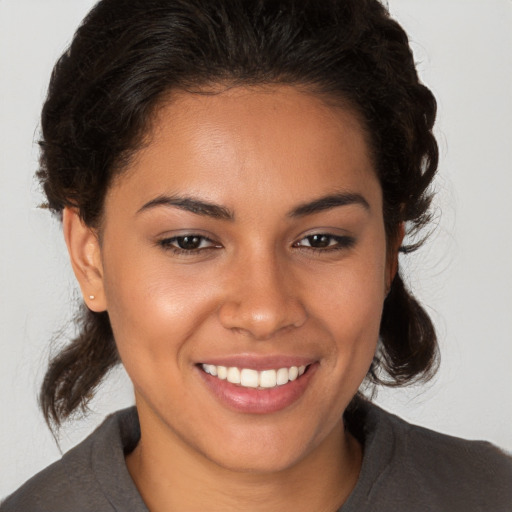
[258, 401]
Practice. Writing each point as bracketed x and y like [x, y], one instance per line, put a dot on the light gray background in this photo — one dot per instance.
[463, 49]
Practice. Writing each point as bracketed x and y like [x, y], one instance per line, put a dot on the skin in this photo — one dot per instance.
[255, 287]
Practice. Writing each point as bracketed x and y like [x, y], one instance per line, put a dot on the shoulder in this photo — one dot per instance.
[428, 451]
[57, 487]
[447, 472]
[82, 480]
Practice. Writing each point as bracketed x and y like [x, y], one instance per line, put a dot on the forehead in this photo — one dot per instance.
[263, 143]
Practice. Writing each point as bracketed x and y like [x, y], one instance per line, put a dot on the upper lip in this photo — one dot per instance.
[259, 362]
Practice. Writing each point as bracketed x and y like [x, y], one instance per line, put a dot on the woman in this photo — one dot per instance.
[235, 179]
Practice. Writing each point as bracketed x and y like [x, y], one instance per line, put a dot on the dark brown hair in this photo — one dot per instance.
[128, 55]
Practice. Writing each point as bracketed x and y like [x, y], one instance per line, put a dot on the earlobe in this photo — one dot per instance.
[85, 255]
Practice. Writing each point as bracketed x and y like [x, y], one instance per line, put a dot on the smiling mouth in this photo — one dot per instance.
[249, 378]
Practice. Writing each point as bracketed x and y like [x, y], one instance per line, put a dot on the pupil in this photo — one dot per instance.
[319, 240]
[189, 242]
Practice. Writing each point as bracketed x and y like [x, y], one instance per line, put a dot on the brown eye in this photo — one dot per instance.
[325, 242]
[188, 243]
[319, 241]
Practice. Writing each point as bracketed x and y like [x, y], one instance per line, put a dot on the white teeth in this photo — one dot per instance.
[211, 369]
[293, 373]
[268, 379]
[234, 375]
[282, 376]
[250, 378]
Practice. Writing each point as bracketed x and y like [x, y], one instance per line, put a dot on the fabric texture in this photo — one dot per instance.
[405, 468]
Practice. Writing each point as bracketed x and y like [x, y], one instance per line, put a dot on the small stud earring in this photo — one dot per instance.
[92, 297]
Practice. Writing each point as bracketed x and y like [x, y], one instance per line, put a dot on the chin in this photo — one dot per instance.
[264, 449]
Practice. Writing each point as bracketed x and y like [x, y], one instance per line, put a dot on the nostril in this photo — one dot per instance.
[261, 318]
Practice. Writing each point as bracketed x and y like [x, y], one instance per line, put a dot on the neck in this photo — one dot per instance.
[170, 476]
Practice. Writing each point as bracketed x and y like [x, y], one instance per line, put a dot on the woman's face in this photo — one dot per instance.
[246, 240]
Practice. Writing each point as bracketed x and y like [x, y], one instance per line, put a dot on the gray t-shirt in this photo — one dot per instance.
[405, 468]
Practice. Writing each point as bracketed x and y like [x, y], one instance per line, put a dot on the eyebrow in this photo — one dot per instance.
[216, 211]
[190, 204]
[328, 202]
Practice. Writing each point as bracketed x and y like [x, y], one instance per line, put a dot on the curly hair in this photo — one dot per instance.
[128, 55]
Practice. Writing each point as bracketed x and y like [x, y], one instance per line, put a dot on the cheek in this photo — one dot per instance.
[349, 303]
[153, 309]
[354, 322]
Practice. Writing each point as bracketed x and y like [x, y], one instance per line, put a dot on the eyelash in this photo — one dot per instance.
[166, 244]
[342, 243]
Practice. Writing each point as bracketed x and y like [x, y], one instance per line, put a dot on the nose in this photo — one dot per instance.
[261, 299]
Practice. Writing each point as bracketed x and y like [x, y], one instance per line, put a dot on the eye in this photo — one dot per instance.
[188, 243]
[325, 242]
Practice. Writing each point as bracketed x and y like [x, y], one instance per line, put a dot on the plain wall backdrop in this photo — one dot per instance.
[463, 50]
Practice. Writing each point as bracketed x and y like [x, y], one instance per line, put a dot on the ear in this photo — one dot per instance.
[85, 255]
[392, 263]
